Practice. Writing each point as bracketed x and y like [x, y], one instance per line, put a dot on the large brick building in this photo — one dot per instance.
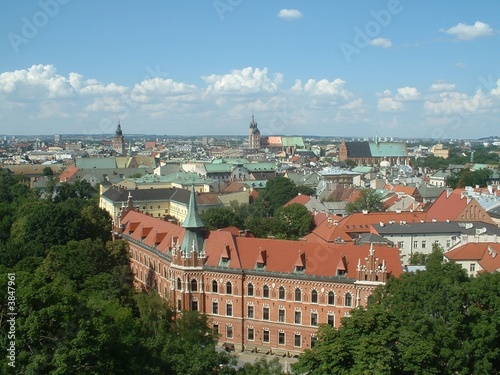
[259, 294]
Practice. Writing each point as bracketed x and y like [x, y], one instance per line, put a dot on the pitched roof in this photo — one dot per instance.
[486, 254]
[358, 149]
[68, 174]
[388, 149]
[448, 205]
[359, 222]
[301, 199]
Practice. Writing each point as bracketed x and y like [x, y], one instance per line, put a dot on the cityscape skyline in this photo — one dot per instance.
[394, 68]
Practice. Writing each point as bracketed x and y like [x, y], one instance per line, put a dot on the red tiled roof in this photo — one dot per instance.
[281, 256]
[299, 199]
[68, 174]
[447, 206]
[234, 187]
[320, 259]
[319, 217]
[360, 223]
[487, 254]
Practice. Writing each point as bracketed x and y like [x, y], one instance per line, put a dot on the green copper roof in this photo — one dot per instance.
[388, 149]
[193, 237]
[192, 219]
[292, 141]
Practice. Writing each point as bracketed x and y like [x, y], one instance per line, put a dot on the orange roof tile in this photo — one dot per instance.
[487, 254]
[299, 199]
[360, 223]
[68, 174]
[319, 259]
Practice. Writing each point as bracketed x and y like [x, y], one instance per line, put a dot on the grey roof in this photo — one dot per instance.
[118, 195]
[97, 163]
[437, 228]
[358, 149]
[430, 192]
[494, 212]
[372, 238]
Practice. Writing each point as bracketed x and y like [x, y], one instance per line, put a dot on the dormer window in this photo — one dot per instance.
[341, 267]
[300, 263]
[300, 269]
[260, 264]
[225, 257]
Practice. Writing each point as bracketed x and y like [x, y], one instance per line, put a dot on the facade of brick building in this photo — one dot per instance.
[265, 295]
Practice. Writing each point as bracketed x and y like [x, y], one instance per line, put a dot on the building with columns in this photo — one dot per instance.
[265, 295]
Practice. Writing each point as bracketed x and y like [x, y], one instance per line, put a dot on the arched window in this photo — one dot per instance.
[215, 287]
[250, 289]
[265, 291]
[281, 293]
[229, 288]
[298, 295]
[348, 299]
[194, 285]
[179, 283]
[314, 296]
[331, 298]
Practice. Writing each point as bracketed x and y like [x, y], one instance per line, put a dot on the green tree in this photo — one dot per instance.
[221, 217]
[368, 199]
[466, 177]
[279, 191]
[262, 366]
[295, 219]
[47, 171]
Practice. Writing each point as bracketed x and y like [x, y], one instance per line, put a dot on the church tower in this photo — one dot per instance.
[119, 141]
[253, 136]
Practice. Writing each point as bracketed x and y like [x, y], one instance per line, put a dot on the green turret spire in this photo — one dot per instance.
[193, 236]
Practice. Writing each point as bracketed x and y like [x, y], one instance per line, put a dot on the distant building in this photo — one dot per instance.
[254, 136]
[119, 141]
[273, 143]
[439, 151]
[374, 152]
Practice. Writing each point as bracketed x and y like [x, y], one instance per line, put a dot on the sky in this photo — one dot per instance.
[393, 68]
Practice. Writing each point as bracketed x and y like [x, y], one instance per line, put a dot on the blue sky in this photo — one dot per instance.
[332, 68]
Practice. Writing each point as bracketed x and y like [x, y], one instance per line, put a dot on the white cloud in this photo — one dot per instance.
[244, 81]
[469, 32]
[335, 88]
[408, 93]
[496, 90]
[35, 80]
[456, 103]
[442, 86]
[389, 102]
[389, 105]
[381, 42]
[289, 14]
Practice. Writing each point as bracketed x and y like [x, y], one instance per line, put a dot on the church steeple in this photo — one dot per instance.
[193, 236]
[253, 135]
[119, 141]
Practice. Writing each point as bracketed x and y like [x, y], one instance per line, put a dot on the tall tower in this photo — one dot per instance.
[119, 141]
[253, 136]
[193, 236]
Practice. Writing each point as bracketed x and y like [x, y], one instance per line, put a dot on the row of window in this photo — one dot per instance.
[266, 336]
[282, 294]
[401, 244]
[266, 313]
